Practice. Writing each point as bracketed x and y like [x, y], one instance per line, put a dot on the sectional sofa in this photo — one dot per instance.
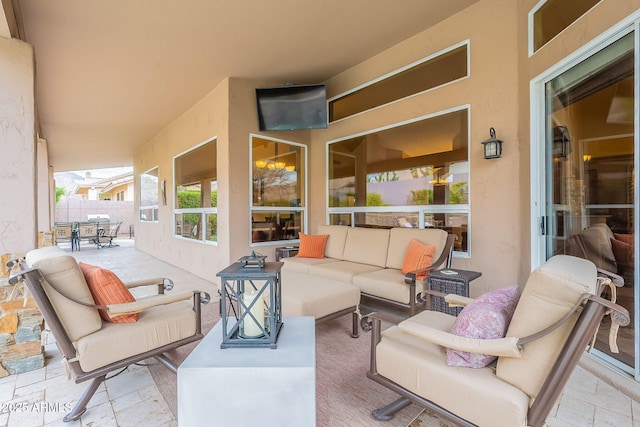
[359, 262]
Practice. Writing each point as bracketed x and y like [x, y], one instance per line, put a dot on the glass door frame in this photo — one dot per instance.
[539, 218]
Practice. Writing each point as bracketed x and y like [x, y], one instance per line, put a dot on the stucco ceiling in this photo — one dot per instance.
[111, 74]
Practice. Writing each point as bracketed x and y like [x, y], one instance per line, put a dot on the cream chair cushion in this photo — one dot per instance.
[63, 272]
[156, 326]
[549, 294]
[421, 367]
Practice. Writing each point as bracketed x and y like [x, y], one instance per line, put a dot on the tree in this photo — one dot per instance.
[59, 193]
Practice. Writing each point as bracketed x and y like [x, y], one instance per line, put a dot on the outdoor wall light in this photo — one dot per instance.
[492, 146]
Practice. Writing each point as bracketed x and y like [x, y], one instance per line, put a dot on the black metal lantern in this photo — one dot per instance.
[492, 146]
[251, 304]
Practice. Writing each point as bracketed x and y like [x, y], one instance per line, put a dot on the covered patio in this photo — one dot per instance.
[138, 397]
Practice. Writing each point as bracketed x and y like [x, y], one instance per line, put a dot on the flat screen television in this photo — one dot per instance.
[292, 107]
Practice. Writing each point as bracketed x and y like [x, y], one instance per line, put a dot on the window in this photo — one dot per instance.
[278, 189]
[148, 197]
[550, 17]
[196, 190]
[436, 70]
[410, 175]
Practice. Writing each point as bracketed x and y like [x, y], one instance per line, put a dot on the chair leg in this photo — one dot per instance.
[387, 412]
[164, 360]
[81, 406]
[354, 326]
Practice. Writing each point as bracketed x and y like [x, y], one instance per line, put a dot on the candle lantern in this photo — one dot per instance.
[251, 303]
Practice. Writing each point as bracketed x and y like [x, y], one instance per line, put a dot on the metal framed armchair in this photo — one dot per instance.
[556, 317]
[106, 234]
[91, 347]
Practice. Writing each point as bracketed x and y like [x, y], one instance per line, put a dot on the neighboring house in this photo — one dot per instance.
[118, 187]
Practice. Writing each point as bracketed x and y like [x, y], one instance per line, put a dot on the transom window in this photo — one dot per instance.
[550, 17]
[436, 70]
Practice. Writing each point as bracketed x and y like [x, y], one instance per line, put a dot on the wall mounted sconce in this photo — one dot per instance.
[492, 146]
[561, 142]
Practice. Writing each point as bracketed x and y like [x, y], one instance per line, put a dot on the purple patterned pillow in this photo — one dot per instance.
[487, 317]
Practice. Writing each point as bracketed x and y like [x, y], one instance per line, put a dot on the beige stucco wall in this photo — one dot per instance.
[491, 91]
[497, 93]
[604, 16]
[18, 221]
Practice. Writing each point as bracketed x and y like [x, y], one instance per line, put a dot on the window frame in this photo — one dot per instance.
[303, 203]
[154, 208]
[532, 25]
[204, 212]
[400, 70]
[421, 210]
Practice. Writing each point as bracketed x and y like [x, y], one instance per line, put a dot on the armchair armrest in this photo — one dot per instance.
[146, 302]
[162, 283]
[455, 300]
[504, 347]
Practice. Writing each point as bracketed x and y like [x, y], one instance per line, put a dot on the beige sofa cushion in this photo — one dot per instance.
[302, 264]
[156, 326]
[367, 246]
[343, 271]
[63, 272]
[421, 367]
[399, 239]
[387, 283]
[337, 238]
[544, 301]
[304, 295]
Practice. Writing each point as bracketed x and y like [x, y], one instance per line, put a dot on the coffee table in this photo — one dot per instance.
[251, 386]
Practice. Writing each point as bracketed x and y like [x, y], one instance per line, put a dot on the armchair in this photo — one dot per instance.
[554, 320]
[92, 347]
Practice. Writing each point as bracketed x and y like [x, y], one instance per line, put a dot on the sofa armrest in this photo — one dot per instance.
[502, 347]
[147, 302]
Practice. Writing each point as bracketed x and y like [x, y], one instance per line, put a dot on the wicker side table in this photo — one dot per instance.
[286, 252]
[450, 281]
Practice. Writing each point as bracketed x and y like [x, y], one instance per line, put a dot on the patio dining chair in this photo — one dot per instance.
[91, 346]
[106, 235]
[552, 323]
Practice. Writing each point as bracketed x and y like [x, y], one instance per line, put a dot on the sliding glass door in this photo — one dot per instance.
[589, 162]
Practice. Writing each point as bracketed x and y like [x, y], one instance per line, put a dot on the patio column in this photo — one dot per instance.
[18, 175]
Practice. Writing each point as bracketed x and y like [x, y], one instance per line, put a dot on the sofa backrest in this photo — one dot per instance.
[399, 239]
[63, 273]
[549, 294]
[337, 238]
[367, 246]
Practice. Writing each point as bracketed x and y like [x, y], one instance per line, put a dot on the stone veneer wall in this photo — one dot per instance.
[21, 326]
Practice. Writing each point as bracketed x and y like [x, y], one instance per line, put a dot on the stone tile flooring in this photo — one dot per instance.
[42, 397]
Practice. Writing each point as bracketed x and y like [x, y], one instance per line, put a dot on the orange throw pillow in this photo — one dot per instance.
[417, 257]
[312, 246]
[106, 289]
